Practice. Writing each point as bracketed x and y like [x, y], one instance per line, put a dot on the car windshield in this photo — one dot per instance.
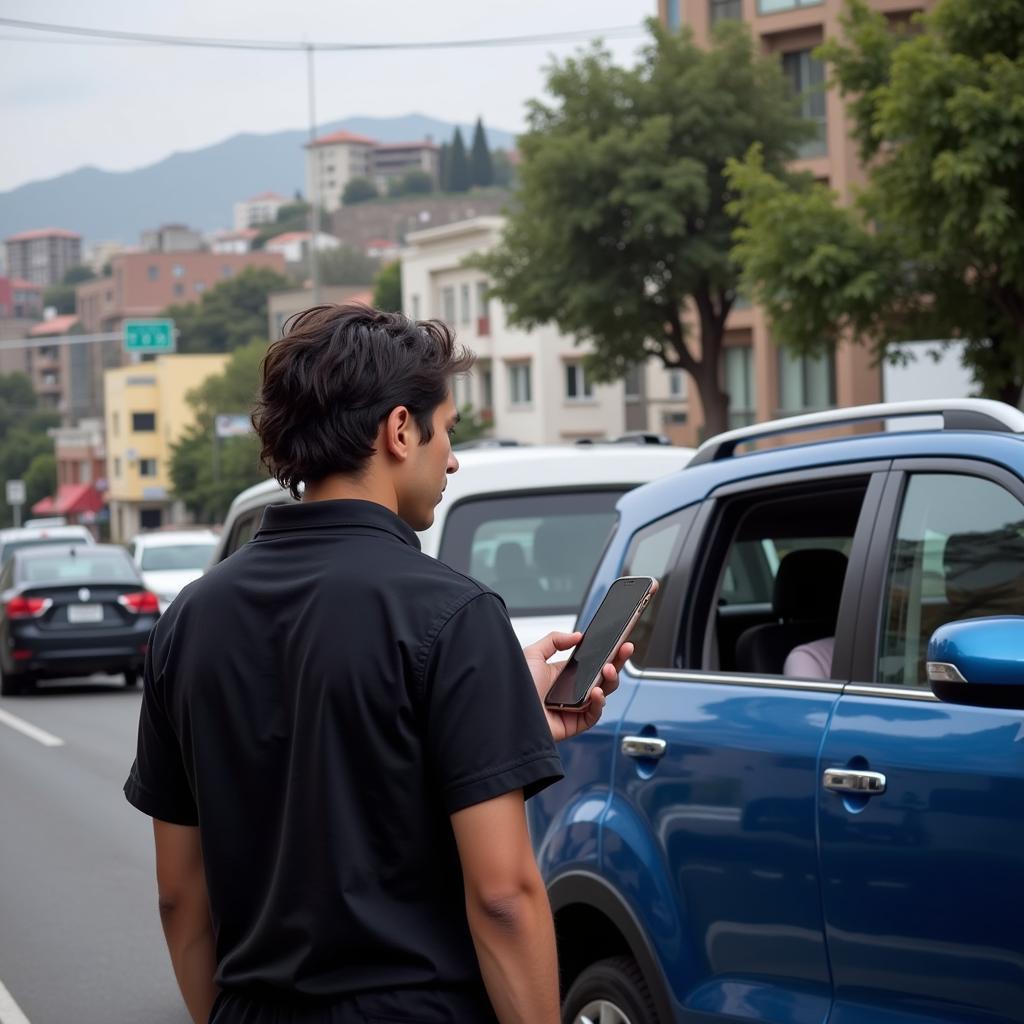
[177, 556]
[87, 566]
[19, 545]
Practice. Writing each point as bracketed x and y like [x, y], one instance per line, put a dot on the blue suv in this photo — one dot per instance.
[778, 819]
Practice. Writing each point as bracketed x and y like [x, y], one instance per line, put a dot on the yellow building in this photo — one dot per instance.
[146, 413]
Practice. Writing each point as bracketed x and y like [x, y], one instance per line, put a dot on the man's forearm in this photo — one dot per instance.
[189, 934]
[515, 945]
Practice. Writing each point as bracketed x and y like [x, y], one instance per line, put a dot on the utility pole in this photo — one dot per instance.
[314, 180]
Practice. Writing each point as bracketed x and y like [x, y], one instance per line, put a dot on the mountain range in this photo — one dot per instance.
[197, 188]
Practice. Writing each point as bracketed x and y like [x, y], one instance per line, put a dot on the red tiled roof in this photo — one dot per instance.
[267, 195]
[336, 137]
[288, 236]
[71, 499]
[55, 325]
[27, 236]
[240, 233]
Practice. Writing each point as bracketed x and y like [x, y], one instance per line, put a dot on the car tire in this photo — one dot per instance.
[131, 677]
[612, 991]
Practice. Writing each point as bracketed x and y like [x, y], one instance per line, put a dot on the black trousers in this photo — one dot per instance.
[401, 1006]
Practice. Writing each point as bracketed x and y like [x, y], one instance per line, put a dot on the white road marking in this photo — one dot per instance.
[48, 740]
[10, 1012]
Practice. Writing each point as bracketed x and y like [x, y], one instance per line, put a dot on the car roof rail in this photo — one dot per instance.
[956, 413]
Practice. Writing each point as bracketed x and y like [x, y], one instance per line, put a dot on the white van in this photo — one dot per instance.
[530, 523]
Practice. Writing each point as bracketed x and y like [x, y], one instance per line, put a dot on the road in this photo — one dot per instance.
[80, 938]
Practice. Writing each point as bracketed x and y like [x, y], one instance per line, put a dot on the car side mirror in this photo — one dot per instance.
[979, 662]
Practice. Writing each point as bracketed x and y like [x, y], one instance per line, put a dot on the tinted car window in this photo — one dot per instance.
[20, 545]
[178, 556]
[538, 551]
[958, 554]
[242, 531]
[106, 565]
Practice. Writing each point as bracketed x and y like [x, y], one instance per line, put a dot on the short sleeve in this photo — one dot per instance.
[158, 784]
[486, 730]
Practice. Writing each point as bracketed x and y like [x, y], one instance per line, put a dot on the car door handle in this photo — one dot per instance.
[847, 780]
[643, 746]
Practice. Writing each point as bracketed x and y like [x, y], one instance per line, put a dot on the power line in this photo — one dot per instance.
[158, 39]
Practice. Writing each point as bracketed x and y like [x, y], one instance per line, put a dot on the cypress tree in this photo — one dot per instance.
[445, 169]
[481, 169]
[460, 180]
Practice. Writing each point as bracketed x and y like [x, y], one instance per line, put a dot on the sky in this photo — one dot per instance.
[118, 106]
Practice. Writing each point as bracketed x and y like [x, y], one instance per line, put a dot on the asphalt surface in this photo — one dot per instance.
[80, 938]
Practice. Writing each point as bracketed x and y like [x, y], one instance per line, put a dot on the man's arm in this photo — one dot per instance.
[508, 910]
[185, 915]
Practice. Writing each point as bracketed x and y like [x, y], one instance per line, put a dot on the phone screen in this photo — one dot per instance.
[598, 643]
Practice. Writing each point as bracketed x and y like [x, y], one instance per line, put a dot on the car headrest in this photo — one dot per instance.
[809, 584]
[510, 560]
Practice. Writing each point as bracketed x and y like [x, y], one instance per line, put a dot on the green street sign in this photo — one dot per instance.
[149, 336]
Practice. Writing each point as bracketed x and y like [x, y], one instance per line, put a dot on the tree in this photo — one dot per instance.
[62, 296]
[359, 190]
[411, 183]
[206, 471]
[459, 177]
[346, 265]
[23, 440]
[41, 477]
[481, 169]
[292, 216]
[933, 247]
[78, 274]
[620, 234]
[387, 288]
[228, 315]
[445, 168]
[504, 169]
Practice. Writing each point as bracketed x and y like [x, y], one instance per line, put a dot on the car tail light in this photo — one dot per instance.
[140, 602]
[27, 607]
[21, 654]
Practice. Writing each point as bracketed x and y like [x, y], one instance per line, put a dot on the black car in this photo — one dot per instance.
[72, 611]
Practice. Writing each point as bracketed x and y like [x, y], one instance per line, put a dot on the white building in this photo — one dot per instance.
[332, 161]
[532, 383]
[293, 245]
[257, 210]
[237, 241]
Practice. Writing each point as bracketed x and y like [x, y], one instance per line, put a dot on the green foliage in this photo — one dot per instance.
[481, 169]
[78, 275]
[934, 246]
[411, 183]
[292, 216]
[228, 315]
[445, 165]
[23, 440]
[358, 190]
[472, 426]
[297, 210]
[459, 179]
[621, 219]
[387, 288]
[504, 171]
[61, 297]
[206, 472]
[41, 477]
[346, 265]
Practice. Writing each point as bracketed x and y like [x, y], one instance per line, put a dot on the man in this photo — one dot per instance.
[338, 732]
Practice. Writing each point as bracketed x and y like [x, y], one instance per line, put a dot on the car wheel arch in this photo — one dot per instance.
[593, 922]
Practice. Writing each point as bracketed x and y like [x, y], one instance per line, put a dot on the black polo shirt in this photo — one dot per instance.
[319, 704]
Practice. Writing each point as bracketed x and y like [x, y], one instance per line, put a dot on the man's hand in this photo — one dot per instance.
[570, 723]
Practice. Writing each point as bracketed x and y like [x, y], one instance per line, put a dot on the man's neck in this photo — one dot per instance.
[339, 487]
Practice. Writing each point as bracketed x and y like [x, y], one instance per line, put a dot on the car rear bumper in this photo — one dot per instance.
[38, 652]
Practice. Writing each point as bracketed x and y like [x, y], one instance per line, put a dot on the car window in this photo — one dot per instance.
[104, 565]
[958, 554]
[20, 545]
[538, 551]
[243, 530]
[177, 556]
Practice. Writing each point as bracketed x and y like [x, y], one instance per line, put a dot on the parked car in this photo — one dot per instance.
[735, 842]
[529, 522]
[20, 537]
[71, 611]
[168, 560]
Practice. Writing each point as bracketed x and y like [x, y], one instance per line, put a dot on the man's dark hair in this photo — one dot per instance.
[335, 376]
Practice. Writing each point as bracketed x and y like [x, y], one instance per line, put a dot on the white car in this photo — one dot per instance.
[168, 560]
[530, 523]
[32, 536]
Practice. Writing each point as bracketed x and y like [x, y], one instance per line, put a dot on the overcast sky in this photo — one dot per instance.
[119, 106]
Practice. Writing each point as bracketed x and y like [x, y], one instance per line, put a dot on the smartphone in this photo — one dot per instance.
[626, 599]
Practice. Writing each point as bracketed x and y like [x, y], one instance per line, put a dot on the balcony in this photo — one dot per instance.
[483, 326]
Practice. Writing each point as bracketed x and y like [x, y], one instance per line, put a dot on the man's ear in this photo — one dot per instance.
[400, 433]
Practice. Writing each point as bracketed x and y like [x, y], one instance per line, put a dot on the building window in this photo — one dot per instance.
[806, 383]
[773, 6]
[200, 287]
[147, 467]
[577, 387]
[150, 518]
[677, 384]
[672, 13]
[481, 298]
[226, 270]
[115, 423]
[415, 307]
[487, 383]
[179, 289]
[143, 422]
[739, 384]
[633, 384]
[178, 270]
[519, 384]
[448, 305]
[807, 76]
[725, 10]
[465, 313]
[117, 466]
[152, 272]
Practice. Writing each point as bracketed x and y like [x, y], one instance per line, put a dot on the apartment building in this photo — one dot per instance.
[172, 238]
[81, 475]
[293, 246]
[332, 161]
[397, 159]
[532, 385]
[762, 378]
[282, 306]
[258, 210]
[61, 372]
[145, 413]
[42, 256]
